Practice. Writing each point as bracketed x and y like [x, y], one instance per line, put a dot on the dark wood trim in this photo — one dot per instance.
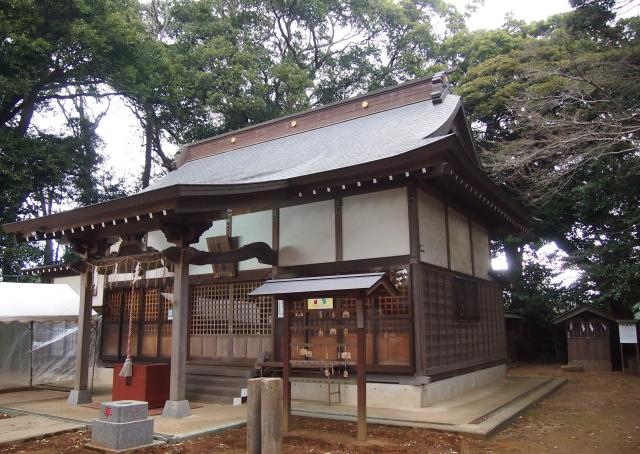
[228, 223]
[414, 226]
[415, 289]
[286, 367]
[199, 279]
[440, 373]
[473, 262]
[446, 224]
[338, 216]
[328, 268]
[275, 237]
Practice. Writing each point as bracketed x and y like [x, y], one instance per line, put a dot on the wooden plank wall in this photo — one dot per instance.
[450, 345]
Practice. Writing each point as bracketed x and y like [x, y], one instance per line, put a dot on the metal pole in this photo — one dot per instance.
[31, 358]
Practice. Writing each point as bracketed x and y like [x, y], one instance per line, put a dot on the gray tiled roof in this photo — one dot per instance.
[349, 143]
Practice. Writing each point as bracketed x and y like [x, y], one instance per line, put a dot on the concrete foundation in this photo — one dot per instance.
[393, 395]
[176, 409]
[79, 397]
[449, 388]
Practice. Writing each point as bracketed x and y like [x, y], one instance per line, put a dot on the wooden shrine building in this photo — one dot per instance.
[591, 336]
[385, 182]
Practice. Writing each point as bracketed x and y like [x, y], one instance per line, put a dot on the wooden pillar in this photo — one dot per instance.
[177, 406]
[80, 393]
[286, 364]
[361, 370]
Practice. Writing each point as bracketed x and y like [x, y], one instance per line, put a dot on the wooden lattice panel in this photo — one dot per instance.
[113, 307]
[251, 316]
[451, 343]
[210, 309]
[151, 305]
[131, 297]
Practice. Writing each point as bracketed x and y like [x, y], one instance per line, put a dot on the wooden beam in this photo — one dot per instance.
[259, 250]
[361, 370]
[286, 368]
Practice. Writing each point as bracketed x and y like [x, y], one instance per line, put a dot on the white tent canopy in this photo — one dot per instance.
[21, 302]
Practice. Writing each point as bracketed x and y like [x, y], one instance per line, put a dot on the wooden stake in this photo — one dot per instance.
[271, 415]
[254, 444]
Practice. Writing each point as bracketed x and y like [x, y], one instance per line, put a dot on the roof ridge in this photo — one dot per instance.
[439, 89]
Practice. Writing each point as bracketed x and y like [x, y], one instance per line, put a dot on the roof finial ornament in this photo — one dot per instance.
[440, 87]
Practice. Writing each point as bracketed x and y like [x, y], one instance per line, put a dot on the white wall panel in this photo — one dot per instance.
[307, 234]
[251, 228]
[375, 224]
[459, 242]
[481, 252]
[433, 230]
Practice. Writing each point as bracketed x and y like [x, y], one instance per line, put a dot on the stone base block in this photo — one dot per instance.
[79, 397]
[122, 435]
[176, 409]
[123, 411]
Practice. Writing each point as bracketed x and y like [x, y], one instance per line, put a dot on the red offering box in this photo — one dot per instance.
[149, 383]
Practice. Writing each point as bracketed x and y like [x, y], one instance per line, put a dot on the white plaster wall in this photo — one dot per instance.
[375, 225]
[432, 230]
[251, 228]
[71, 281]
[218, 228]
[307, 234]
[459, 242]
[481, 253]
[74, 283]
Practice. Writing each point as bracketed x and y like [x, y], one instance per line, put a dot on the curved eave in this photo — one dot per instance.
[146, 211]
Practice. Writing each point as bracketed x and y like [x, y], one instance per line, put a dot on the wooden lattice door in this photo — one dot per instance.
[226, 323]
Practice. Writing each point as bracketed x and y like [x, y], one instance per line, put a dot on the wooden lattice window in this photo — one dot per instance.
[113, 307]
[467, 299]
[131, 297]
[209, 309]
[251, 315]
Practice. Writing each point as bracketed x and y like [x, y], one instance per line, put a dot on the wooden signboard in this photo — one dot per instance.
[628, 334]
[221, 244]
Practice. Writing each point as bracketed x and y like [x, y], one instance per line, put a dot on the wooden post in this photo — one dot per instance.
[177, 406]
[254, 443]
[361, 371]
[80, 393]
[271, 415]
[286, 358]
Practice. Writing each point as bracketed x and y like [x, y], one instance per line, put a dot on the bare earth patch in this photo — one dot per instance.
[592, 413]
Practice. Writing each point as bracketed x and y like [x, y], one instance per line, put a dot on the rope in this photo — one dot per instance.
[133, 295]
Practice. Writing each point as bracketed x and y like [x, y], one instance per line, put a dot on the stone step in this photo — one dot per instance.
[216, 380]
[216, 390]
[215, 399]
[225, 371]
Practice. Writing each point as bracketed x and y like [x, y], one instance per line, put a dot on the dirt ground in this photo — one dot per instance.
[592, 413]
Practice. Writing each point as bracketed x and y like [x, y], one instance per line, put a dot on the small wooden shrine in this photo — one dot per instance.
[590, 335]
